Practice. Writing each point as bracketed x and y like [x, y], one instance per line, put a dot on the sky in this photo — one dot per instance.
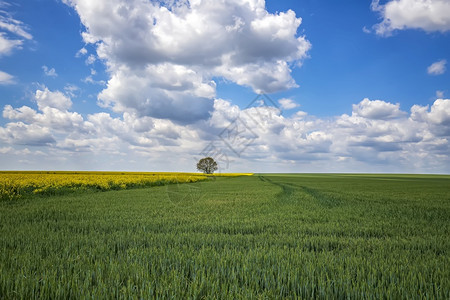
[260, 86]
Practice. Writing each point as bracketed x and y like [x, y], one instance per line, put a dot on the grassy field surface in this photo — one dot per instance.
[264, 236]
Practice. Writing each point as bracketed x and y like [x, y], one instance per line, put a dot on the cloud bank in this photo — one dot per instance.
[376, 136]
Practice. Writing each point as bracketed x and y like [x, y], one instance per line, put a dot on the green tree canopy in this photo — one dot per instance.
[207, 165]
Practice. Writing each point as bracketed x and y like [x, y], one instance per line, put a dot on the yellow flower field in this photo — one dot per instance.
[14, 184]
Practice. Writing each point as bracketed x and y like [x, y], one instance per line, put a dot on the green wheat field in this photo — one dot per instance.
[266, 236]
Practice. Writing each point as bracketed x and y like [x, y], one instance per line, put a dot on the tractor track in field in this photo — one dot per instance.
[288, 191]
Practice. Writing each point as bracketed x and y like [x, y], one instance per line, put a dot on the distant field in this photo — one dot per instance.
[251, 237]
[18, 184]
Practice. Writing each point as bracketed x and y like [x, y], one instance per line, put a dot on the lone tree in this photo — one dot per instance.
[207, 165]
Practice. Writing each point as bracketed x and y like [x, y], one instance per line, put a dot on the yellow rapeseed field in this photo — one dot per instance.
[14, 184]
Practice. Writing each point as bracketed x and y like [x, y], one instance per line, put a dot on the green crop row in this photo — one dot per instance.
[256, 237]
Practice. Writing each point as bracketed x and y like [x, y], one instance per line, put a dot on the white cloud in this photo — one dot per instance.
[237, 40]
[59, 120]
[46, 98]
[49, 72]
[376, 137]
[6, 78]
[81, 52]
[90, 79]
[263, 77]
[172, 92]
[14, 27]
[440, 112]
[91, 59]
[5, 150]
[366, 30]
[439, 94]
[437, 68]
[428, 15]
[41, 128]
[71, 89]
[51, 118]
[437, 118]
[26, 134]
[23, 113]
[7, 45]
[377, 109]
[287, 103]
[376, 134]
[300, 115]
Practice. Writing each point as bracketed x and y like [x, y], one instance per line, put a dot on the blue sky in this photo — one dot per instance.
[358, 86]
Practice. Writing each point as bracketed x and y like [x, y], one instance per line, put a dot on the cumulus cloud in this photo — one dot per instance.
[53, 115]
[377, 109]
[375, 136]
[42, 127]
[171, 92]
[26, 134]
[53, 125]
[437, 68]
[162, 57]
[23, 113]
[45, 98]
[287, 104]
[437, 119]
[438, 114]
[428, 15]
